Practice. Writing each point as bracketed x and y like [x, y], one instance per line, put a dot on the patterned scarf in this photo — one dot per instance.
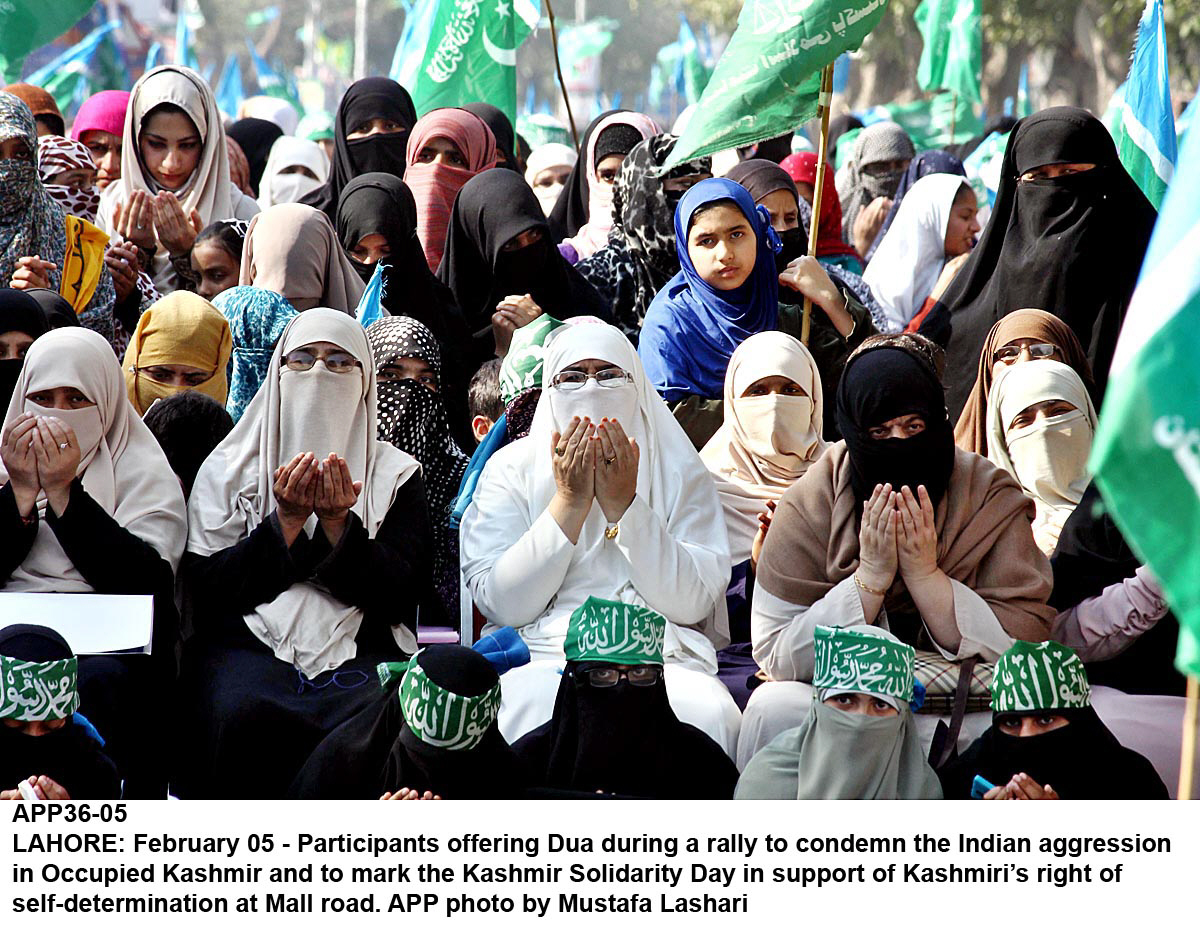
[56, 155]
[256, 320]
[640, 256]
[31, 223]
[413, 418]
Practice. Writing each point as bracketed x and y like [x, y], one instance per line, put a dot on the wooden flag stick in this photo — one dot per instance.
[562, 83]
[825, 99]
[1187, 759]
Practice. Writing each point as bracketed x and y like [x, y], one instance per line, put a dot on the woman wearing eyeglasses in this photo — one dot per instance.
[181, 343]
[307, 536]
[605, 497]
[1025, 335]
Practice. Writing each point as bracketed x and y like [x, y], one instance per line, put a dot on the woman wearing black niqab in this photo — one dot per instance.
[70, 754]
[366, 100]
[255, 137]
[492, 209]
[377, 751]
[1071, 245]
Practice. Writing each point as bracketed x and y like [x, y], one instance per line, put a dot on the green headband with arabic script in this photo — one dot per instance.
[522, 366]
[854, 661]
[38, 691]
[616, 633]
[1035, 677]
[437, 716]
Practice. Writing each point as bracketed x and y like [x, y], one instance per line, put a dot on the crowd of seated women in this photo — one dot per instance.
[707, 516]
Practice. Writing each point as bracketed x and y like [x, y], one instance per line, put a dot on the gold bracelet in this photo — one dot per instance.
[863, 586]
[611, 531]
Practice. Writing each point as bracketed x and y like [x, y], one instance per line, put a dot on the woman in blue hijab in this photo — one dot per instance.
[727, 289]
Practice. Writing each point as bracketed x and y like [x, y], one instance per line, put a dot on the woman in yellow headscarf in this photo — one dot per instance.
[181, 343]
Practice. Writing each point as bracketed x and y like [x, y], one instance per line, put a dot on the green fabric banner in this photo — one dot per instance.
[471, 56]
[953, 55]
[29, 24]
[767, 81]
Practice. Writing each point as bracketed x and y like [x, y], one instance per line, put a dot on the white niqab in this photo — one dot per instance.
[290, 152]
[297, 411]
[121, 464]
[1048, 458]
[766, 442]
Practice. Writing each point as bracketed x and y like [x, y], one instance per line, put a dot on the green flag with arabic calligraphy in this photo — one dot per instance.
[768, 79]
[471, 55]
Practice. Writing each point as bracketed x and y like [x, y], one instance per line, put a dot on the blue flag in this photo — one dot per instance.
[370, 308]
[230, 92]
[1144, 127]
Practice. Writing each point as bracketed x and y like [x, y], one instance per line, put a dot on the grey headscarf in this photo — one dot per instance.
[843, 755]
[881, 141]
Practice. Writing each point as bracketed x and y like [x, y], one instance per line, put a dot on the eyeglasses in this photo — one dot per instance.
[573, 380]
[1009, 354]
[342, 680]
[605, 677]
[339, 362]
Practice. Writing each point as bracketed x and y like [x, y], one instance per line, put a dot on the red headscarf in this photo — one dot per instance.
[434, 186]
[802, 168]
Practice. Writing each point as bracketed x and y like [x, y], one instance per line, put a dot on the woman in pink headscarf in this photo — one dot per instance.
[447, 147]
[100, 125]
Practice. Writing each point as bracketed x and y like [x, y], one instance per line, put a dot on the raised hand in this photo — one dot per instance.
[32, 273]
[877, 555]
[616, 469]
[133, 220]
[57, 451]
[916, 542]
[176, 231]
[122, 262]
[295, 492]
[20, 460]
[336, 493]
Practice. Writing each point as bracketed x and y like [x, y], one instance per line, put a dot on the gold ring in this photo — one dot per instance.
[560, 450]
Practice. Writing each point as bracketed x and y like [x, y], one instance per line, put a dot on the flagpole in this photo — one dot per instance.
[1187, 760]
[558, 67]
[824, 101]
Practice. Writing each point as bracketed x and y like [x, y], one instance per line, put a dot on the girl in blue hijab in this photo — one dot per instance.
[703, 313]
[727, 289]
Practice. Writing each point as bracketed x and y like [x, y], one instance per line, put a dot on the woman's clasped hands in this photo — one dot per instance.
[306, 486]
[592, 461]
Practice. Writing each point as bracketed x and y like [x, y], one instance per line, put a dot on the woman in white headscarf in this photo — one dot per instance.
[546, 171]
[295, 168]
[605, 497]
[308, 550]
[88, 504]
[174, 172]
[771, 434]
[936, 224]
[1041, 423]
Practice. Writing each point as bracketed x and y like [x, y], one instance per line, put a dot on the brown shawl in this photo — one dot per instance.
[971, 432]
[984, 541]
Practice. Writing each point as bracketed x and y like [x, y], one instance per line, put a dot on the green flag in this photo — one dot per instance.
[471, 56]
[1146, 456]
[953, 55]
[29, 24]
[767, 81]
[931, 123]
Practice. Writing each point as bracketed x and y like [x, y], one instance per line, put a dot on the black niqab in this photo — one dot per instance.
[19, 312]
[879, 384]
[370, 98]
[625, 740]
[255, 136]
[70, 755]
[1082, 760]
[493, 208]
[1072, 246]
[59, 313]
[496, 120]
[375, 751]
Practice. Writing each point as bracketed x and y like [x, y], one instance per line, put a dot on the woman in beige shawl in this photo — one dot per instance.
[308, 550]
[174, 172]
[293, 250]
[948, 563]
[771, 434]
